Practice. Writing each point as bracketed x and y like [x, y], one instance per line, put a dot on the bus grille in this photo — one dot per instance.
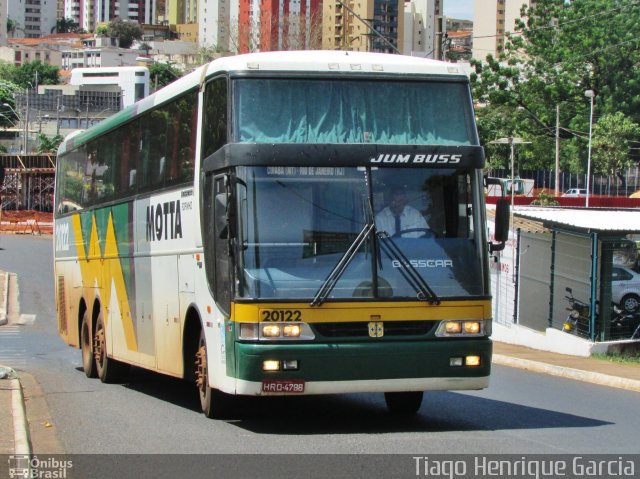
[361, 329]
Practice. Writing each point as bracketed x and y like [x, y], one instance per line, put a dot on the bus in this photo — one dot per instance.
[228, 230]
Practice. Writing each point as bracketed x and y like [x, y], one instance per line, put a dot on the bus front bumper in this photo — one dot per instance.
[363, 367]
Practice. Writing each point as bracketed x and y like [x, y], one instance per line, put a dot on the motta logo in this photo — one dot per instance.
[164, 221]
[438, 159]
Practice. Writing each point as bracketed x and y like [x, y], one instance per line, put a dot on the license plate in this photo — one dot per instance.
[283, 386]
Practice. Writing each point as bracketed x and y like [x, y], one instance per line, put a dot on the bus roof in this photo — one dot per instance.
[320, 61]
[332, 61]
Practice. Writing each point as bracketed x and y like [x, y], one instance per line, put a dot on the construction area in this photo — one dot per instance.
[26, 193]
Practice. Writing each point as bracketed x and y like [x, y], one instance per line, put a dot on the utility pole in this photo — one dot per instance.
[26, 125]
[557, 191]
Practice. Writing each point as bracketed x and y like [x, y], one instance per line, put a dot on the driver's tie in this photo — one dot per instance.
[398, 227]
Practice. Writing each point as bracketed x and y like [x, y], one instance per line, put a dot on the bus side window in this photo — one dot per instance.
[215, 117]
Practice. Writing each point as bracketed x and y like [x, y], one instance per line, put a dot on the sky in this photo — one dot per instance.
[460, 9]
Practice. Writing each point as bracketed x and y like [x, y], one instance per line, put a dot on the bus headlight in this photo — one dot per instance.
[275, 332]
[464, 328]
[270, 330]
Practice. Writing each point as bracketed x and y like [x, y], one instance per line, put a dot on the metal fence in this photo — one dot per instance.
[622, 185]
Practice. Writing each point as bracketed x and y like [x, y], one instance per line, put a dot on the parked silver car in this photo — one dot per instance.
[575, 193]
[625, 288]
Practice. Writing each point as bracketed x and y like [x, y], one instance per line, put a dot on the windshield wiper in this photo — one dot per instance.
[337, 271]
[408, 271]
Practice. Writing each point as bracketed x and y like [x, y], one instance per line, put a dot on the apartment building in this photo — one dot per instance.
[492, 19]
[270, 25]
[218, 23]
[33, 18]
[181, 11]
[3, 23]
[351, 25]
[423, 28]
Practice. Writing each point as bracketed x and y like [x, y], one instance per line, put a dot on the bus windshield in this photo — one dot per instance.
[297, 223]
[344, 111]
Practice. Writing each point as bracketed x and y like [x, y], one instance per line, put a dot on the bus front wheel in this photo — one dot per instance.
[108, 369]
[88, 361]
[403, 402]
[214, 403]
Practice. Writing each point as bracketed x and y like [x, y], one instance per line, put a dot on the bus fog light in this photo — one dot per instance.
[271, 330]
[455, 362]
[472, 361]
[290, 365]
[271, 365]
[291, 330]
[248, 330]
[453, 327]
[472, 327]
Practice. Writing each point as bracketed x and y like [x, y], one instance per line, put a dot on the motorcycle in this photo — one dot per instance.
[624, 324]
[578, 320]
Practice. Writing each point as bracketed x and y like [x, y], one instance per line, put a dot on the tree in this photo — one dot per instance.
[611, 140]
[555, 52]
[161, 74]
[145, 47]
[12, 26]
[36, 72]
[48, 145]
[65, 25]
[125, 32]
[8, 91]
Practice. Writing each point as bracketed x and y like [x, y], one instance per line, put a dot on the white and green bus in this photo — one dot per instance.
[229, 230]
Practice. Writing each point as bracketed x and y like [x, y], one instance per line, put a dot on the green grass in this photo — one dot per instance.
[616, 358]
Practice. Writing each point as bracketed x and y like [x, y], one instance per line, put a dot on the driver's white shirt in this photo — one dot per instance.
[410, 218]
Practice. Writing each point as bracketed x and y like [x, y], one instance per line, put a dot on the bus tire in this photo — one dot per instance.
[403, 402]
[108, 369]
[214, 403]
[86, 345]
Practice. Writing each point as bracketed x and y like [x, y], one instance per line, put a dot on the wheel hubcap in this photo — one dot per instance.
[98, 345]
[201, 369]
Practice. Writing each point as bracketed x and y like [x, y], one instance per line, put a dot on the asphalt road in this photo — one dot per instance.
[521, 413]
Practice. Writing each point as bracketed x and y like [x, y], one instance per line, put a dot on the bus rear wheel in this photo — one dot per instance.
[215, 404]
[108, 369]
[403, 402]
[88, 361]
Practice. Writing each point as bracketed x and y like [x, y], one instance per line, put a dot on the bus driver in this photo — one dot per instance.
[399, 217]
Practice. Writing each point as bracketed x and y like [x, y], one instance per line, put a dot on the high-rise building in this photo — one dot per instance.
[89, 13]
[492, 19]
[33, 18]
[81, 12]
[270, 25]
[349, 25]
[3, 23]
[181, 11]
[218, 24]
[423, 28]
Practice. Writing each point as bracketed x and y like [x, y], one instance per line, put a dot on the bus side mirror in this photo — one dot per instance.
[501, 233]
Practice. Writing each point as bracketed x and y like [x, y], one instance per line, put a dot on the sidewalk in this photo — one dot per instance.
[15, 427]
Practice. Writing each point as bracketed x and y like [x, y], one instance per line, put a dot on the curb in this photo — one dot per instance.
[569, 373]
[22, 445]
[3, 299]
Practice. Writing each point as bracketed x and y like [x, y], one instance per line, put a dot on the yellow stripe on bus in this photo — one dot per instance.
[95, 275]
[360, 311]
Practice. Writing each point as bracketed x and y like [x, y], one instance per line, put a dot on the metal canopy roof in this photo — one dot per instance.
[587, 220]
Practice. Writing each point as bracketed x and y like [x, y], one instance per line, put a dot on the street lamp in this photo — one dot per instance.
[591, 95]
